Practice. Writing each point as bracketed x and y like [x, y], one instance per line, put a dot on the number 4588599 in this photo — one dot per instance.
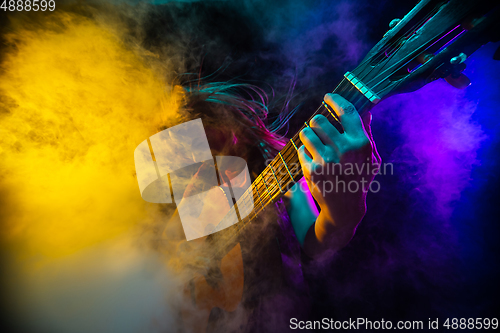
[28, 5]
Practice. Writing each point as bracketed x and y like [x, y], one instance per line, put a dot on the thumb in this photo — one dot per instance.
[367, 120]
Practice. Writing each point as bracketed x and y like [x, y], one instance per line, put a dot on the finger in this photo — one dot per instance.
[348, 116]
[367, 119]
[312, 142]
[325, 130]
[305, 161]
[376, 154]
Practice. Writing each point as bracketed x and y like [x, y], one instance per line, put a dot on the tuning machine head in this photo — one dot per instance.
[456, 78]
[452, 72]
[460, 81]
[394, 23]
[458, 59]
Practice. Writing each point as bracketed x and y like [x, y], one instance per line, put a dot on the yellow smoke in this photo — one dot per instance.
[75, 101]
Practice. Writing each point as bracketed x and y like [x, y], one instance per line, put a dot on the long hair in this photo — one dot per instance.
[236, 120]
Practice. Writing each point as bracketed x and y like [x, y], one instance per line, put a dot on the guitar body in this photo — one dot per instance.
[226, 293]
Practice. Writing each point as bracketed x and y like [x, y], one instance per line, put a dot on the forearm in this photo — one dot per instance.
[328, 234]
[328, 230]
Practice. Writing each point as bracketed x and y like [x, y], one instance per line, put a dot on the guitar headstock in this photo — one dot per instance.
[432, 41]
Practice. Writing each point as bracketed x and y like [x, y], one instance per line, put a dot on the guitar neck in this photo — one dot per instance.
[284, 170]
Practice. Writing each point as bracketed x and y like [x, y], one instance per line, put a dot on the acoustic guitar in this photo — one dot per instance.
[432, 41]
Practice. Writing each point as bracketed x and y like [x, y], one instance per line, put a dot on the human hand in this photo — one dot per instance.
[339, 168]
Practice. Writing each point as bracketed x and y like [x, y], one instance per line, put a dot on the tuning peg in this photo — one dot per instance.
[394, 23]
[456, 78]
[496, 56]
[458, 59]
[458, 81]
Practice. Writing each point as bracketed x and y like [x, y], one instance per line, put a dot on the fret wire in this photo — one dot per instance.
[274, 174]
[279, 168]
[267, 188]
[288, 148]
[286, 166]
[342, 84]
[294, 155]
[273, 191]
[274, 188]
[297, 170]
[271, 194]
[327, 107]
[291, 158]
[290, 154]
[285, 157]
